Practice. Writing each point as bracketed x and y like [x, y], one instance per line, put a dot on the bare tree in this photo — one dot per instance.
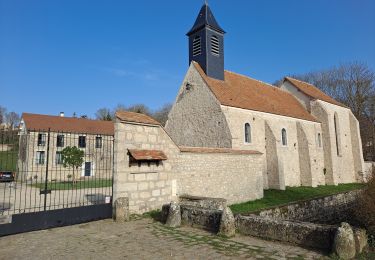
[3, 111]
[12, 119]
[161, 115]
[103, 114]
[353, 84]
[139, 108]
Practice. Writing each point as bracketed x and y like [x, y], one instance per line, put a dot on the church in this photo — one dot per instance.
[306, 137]
[231, 136]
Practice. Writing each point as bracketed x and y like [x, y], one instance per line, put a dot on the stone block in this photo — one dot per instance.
[152, 176]
[155, 193]
[129, 136]
[174, 215]
[165, 191]
[344, 243]
[140, 177]
[146, 146]
[145, 195]
[130, 186]
[121, 209]
[140, 138]
[227, 223]
[160, 184]
[152, 138]
[361, 240]
[143, 186]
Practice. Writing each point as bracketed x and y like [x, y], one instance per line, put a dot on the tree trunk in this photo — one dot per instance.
[74, 177]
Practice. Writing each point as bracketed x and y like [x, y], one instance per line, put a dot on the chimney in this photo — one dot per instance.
[62, 114]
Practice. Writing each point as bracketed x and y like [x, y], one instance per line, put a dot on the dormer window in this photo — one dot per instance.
[197, 50]
[215, 47]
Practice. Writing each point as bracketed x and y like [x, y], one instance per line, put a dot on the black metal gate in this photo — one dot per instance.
[50, 179]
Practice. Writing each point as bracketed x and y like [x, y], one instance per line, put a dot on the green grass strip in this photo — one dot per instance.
[292, 194]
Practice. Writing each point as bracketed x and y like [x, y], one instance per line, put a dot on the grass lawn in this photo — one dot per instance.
[80, 184]
[291, 194]
[8, 160]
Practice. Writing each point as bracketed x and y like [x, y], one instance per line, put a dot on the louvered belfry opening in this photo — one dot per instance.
[206, 44]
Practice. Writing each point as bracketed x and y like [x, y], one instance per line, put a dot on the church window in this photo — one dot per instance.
[247, 133]
[284, 139]
[337, 134]
[197, 46]
[215, 50]
[319, 140]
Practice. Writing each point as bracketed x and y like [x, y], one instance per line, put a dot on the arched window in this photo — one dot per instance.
[197, 46]
[215, 47]
[319, 140]
[284, 139]
[247, 133]
[337, 134]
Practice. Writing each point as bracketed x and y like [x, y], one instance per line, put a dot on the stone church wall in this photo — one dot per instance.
[235, 177]
[196, 118]
[283, 165]
[359, 168]
[340, 167]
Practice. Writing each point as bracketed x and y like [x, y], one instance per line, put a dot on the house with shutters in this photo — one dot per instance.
[305, 136]
[44, 137]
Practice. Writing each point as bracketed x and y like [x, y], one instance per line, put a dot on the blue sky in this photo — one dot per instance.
[78, 56]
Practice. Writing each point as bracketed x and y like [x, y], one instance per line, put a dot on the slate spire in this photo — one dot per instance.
[205, 18]
[206, 43]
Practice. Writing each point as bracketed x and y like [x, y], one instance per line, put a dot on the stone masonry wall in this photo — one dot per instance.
[326, 210]
[282, 165]
[149, 186]
[339, 167]
[356, 148]
[299, 233]
[196, 118]
[237, 178]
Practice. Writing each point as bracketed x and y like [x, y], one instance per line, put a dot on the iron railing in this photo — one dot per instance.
[42, 180]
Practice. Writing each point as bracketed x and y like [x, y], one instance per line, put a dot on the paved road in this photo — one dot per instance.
[141, 239]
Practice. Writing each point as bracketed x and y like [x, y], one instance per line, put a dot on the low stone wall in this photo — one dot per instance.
[233, 175]
[199, 212]
[326, 210]
[299, 233]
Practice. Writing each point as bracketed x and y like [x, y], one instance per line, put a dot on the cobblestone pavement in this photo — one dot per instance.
[141, 239]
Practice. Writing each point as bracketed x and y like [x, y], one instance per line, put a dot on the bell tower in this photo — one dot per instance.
[206, 44]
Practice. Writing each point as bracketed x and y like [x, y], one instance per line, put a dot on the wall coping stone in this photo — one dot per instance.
[297, 202]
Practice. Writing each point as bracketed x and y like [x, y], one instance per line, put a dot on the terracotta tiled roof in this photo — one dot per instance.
[216, 150]
[136, 117]
[144, 155]
[38, 122]
[312, 91]
[243, 92]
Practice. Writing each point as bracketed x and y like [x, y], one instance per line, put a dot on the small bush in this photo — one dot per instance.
[365, 212]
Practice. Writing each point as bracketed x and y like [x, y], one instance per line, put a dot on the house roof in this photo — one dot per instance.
[144, 155]
[39, 122]
[136, 118]
[216, 150]
[312, 91]
[247, 93]
[205, 18]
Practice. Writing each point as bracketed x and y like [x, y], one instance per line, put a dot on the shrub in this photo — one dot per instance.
[365, 211]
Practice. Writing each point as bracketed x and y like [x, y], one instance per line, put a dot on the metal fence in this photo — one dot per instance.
[43, 170]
